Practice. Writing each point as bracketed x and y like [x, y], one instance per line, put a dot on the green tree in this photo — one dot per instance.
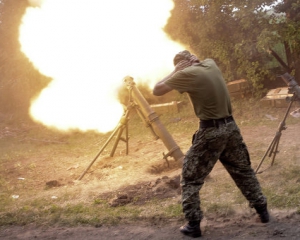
[289, 31]
[231, 32]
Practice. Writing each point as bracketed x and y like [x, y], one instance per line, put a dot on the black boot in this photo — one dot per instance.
[192, 229]
[263, 213]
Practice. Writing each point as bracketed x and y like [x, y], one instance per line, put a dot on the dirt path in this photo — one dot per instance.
[242, 226]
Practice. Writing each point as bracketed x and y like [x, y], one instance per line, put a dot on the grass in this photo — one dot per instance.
[70, 214]
[78, 203]
[284, 191]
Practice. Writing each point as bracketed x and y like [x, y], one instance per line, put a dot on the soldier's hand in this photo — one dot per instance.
[182, 65]
[194, 59]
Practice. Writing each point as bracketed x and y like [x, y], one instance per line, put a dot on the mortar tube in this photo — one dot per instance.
[153, 119]
[292, 84]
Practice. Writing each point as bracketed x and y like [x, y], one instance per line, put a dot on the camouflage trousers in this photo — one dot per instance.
[224, 143]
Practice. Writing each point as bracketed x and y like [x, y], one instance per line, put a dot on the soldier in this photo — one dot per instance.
[218, 137]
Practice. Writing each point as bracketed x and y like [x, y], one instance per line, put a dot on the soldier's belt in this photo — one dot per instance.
[215, 122]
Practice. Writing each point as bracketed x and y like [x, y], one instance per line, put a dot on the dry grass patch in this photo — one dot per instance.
[40, 168]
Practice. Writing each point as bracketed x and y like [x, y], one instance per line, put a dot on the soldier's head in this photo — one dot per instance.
[184, 55]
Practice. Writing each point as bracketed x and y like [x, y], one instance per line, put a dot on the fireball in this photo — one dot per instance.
[87, 47]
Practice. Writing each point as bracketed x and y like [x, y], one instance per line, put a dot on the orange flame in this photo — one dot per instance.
[87, 48]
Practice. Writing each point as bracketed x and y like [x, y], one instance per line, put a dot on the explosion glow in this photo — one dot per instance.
[87, 48]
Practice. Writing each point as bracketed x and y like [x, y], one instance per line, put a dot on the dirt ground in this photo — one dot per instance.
[283, 225]
[157, 182]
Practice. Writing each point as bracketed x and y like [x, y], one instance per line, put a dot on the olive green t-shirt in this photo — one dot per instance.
[206, 88]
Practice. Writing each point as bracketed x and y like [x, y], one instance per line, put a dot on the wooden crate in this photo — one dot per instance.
[238, 88]
[237, 85]
[276, 98]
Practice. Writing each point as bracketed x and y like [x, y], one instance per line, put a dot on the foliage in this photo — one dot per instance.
[237, 34]
[289, 31]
